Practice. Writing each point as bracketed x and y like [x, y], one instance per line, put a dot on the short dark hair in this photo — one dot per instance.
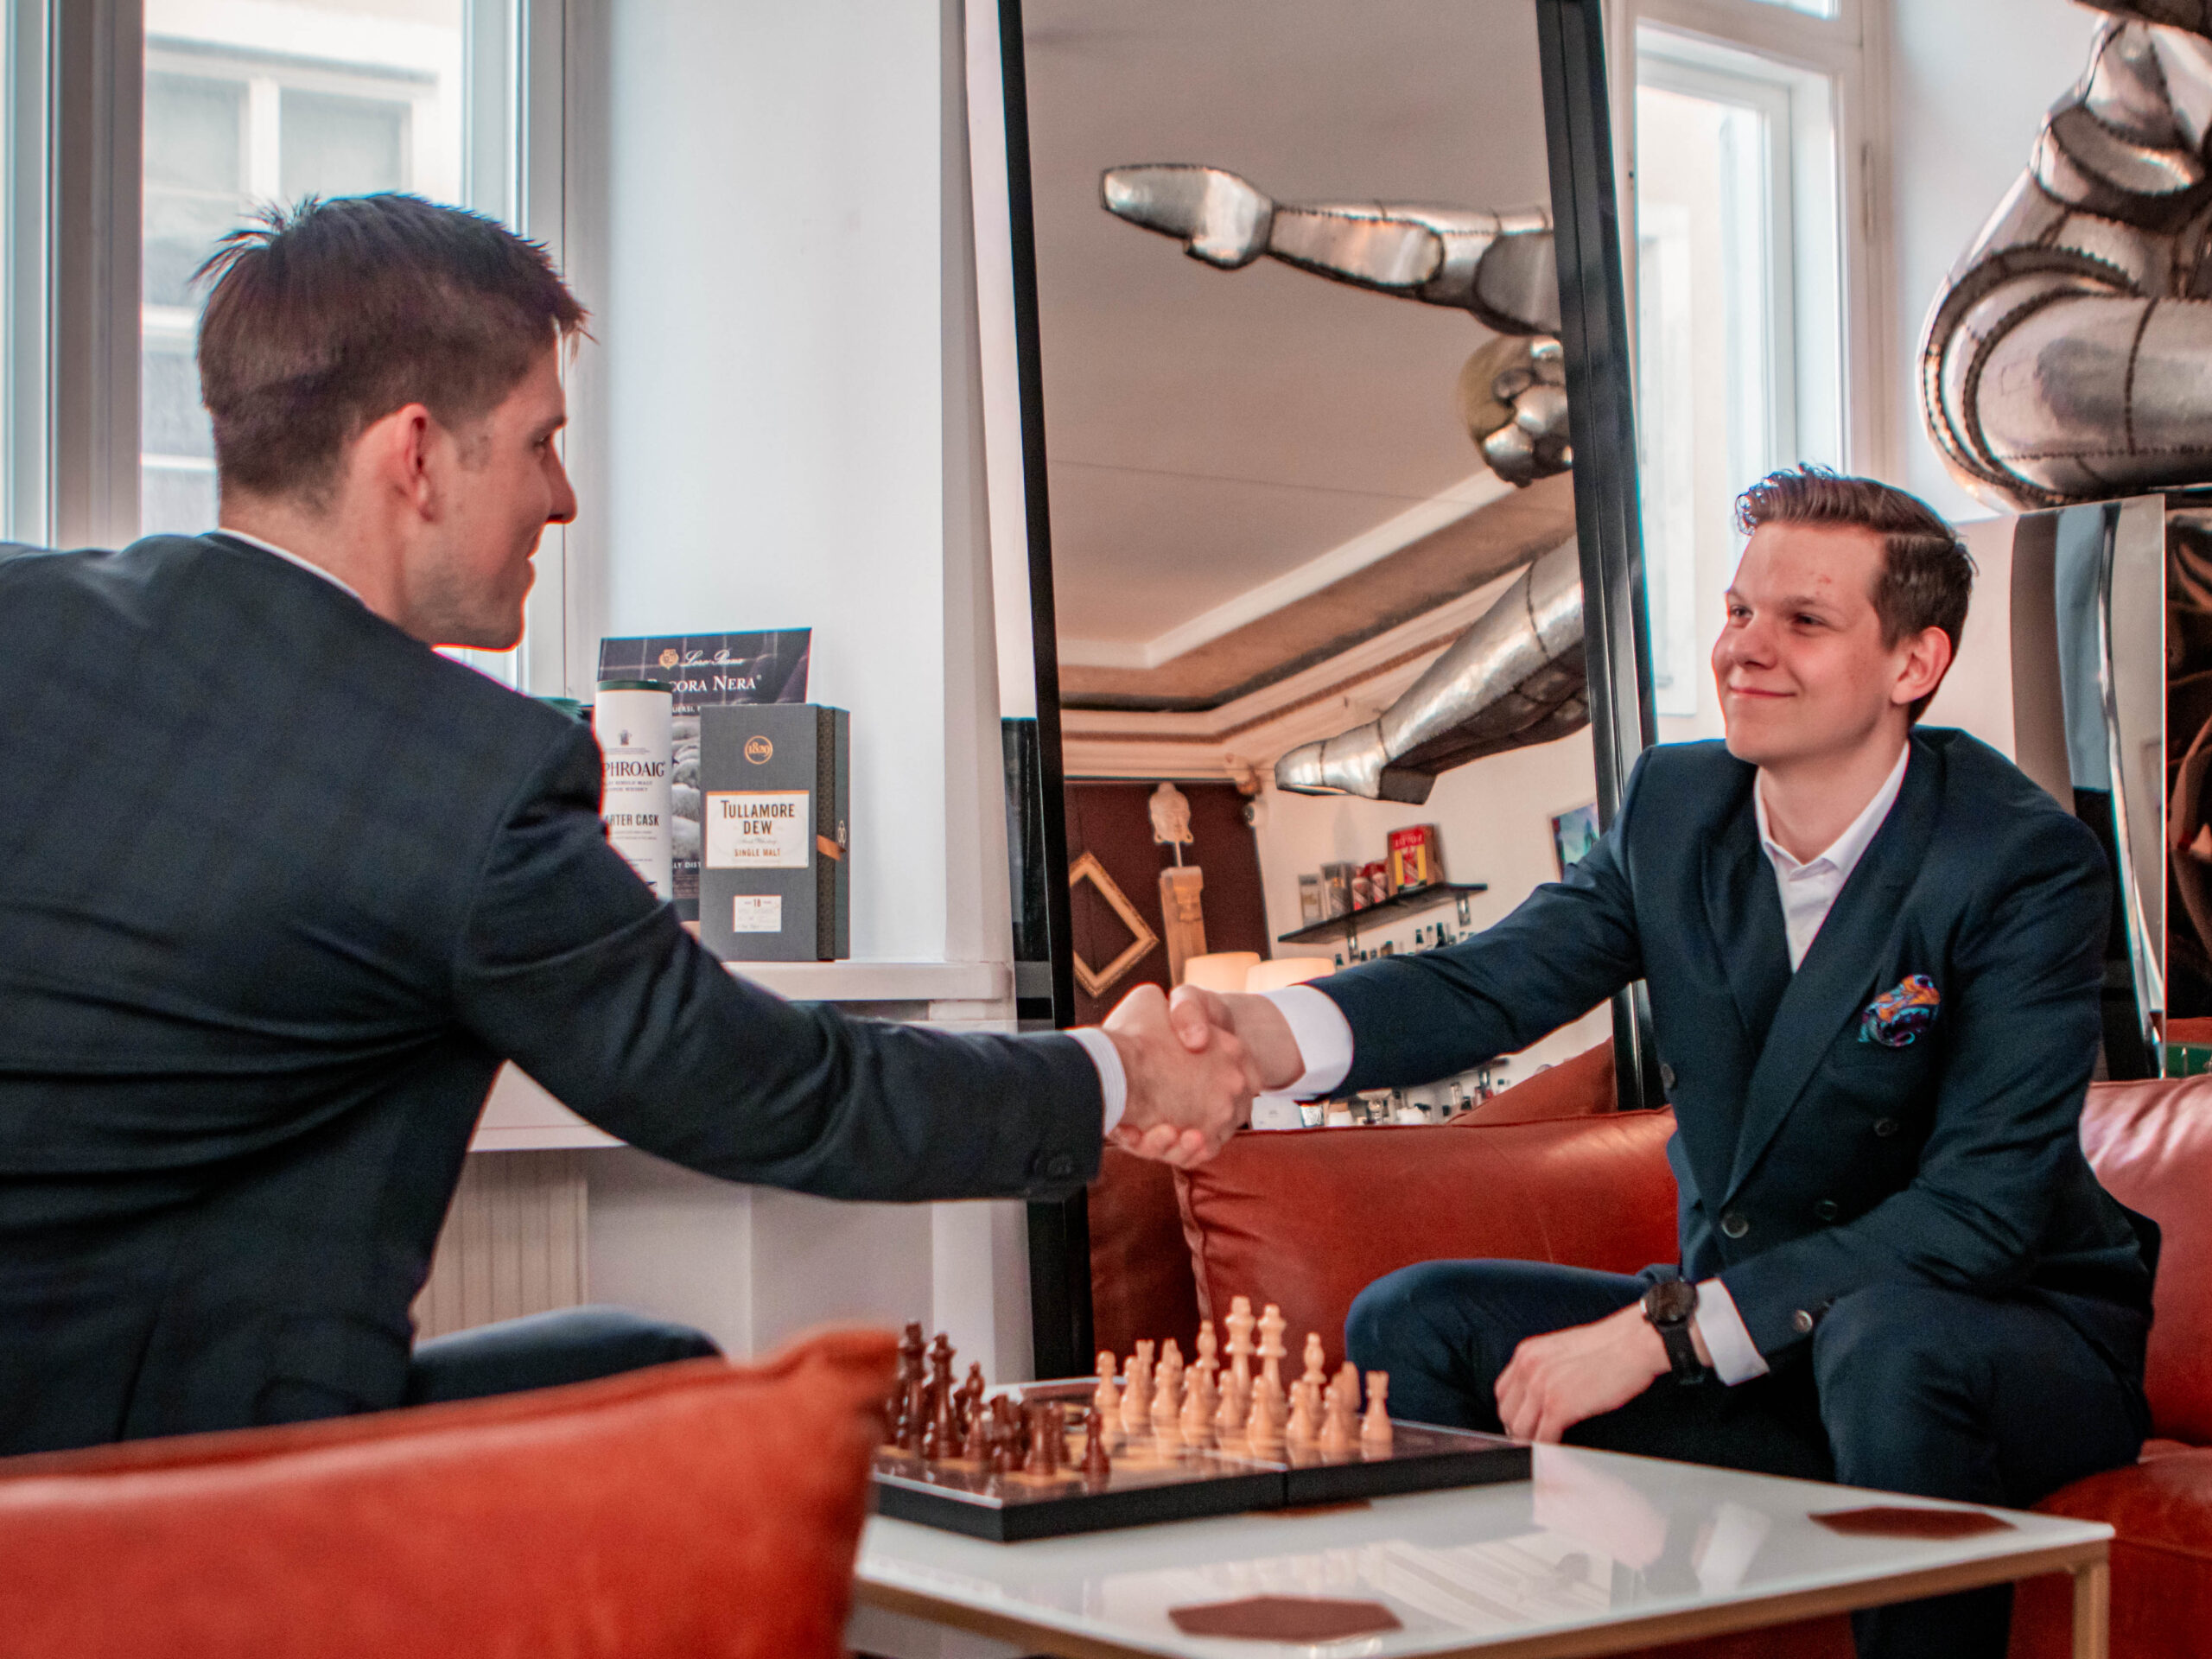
[1927, 573]
[327, 316]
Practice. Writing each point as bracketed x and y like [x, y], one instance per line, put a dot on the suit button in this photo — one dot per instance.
[1885, 1126]
[1667, 1075]
[1735, 1224]
[1802, 1321]
[1827, 1209]
[1059, 1167]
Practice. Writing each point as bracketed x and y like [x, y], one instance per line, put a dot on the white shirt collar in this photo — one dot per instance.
[291, 557]
[1844, 853]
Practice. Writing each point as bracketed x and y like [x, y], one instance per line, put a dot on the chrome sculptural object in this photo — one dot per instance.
[1515, 676]
[2068, 357]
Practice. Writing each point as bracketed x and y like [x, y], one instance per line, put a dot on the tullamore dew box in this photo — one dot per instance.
[774, 880]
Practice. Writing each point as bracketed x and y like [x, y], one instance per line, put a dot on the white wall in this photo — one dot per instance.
[769, 328]
[1969, 83]
[1494, 818]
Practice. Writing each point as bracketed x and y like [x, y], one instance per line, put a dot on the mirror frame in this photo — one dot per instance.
[1601, 417]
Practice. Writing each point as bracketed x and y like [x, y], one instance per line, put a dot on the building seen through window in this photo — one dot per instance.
[250, 102]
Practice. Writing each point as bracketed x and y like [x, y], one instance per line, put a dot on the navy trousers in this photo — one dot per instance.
[1908, 1388]
[572, 1345]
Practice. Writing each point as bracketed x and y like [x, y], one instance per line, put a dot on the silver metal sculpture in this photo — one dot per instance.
[2068, 357]
[1515, 676]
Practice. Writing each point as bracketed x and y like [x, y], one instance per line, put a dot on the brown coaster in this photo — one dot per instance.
[1285, 1618]
[1897, 1522]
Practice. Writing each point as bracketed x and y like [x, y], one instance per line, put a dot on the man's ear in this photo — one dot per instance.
[1927, 659]
[397, 448]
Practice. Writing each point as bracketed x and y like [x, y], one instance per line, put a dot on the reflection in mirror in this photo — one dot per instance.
[1295, 388]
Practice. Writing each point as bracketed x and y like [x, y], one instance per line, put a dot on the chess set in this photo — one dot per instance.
[1154, 1438]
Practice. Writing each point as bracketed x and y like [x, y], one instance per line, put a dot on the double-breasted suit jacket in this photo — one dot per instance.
[1823, 1143]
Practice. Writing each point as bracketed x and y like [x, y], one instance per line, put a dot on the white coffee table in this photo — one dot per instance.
[1597, 1553]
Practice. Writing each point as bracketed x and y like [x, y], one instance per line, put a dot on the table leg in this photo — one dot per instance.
[2093, 1610]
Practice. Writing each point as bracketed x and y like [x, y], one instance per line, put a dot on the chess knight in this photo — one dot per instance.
[1515, 676]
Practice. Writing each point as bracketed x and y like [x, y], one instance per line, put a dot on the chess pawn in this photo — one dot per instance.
[1108, 1398]
[1096, 1464]
[1199, 1403]
[1167, 1393]
[1208, 1358]
[1048, 1438]
[1229, 1411]
[1260, 1428]
[1317, 1361]
[1375, 1427]
[969, 1403]
[1136, 1391]
[1302, 1430]
[977, 1447]
[1339, 1415]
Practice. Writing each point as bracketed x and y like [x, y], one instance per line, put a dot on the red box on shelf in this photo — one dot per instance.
[1416, 860]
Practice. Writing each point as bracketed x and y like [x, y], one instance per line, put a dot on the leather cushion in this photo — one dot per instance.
[1307, 1218]
[1574, 1087]
[2161, 1562]
[1139, 1267]
[700, 1508]
[2150, 1144]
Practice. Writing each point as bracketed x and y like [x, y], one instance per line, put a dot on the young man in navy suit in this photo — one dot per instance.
[1874, 954]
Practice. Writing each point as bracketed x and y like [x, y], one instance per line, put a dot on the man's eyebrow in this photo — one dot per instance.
[1791, 602]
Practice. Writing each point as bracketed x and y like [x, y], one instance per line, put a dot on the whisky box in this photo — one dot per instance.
[1414, 860]
[774, 878]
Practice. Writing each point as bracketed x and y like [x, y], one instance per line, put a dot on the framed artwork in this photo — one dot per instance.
[1574, 832]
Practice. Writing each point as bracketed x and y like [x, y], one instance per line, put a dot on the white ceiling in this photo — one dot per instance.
[1210, 431]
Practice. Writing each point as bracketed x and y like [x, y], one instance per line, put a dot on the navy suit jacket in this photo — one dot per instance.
[1811, 1162]
[282, 889]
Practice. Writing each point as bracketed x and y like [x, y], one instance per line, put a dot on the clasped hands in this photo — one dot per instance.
[1192, 1064]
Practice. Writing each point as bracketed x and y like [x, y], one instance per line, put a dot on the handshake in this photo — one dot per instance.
[1193, 1062]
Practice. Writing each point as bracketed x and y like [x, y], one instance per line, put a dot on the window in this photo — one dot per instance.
[251, 102]
[1740, 336]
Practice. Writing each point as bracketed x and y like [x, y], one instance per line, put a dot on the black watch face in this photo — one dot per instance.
[1670, 1301]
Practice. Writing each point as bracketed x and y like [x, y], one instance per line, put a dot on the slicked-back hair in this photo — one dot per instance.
[326, 316]
[1927, 573]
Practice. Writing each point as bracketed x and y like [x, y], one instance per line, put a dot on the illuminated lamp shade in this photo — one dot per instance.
[1222, 971]
[1287, 970]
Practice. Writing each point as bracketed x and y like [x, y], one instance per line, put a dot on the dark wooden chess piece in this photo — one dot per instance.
[970, 1401]
[1047, 1438]
[895, 1426]
[1096, 1464]
[977, 1445]
[915, 1416]
[941, 1438]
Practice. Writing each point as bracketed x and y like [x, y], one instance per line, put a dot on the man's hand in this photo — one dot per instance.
[1252, 1020]
[1189, 1085]
[1555, 1380]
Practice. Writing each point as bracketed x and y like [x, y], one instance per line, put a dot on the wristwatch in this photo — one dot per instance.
[1669, 1304]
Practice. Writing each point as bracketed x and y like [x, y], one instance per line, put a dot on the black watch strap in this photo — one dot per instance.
[1668, 1306]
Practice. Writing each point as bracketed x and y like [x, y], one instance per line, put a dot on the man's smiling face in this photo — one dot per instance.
[1802, 667]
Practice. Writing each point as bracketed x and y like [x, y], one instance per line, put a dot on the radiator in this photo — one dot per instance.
[513, 1242]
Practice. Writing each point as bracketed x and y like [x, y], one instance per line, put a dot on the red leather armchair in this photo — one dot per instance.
[1306, 1219]
[698, 1508]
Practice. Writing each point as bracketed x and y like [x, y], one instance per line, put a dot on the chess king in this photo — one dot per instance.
[1873, 952]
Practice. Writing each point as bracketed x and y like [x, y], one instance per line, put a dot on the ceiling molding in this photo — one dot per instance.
[1476, 491]
[1243, 739]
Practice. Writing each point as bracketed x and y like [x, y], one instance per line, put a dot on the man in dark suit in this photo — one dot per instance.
[1874, 954]
[285, 887]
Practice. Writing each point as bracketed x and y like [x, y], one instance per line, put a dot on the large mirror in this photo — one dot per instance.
[1328, 497]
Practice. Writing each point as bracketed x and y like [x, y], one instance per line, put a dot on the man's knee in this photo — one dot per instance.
[1887, 1336]
[573, 1344]
[1389, 1315]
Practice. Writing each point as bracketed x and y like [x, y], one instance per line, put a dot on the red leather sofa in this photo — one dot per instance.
[1548, 1172]
[699, 1508]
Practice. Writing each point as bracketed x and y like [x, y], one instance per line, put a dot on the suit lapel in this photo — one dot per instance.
[1832, 983]
[1746, 911]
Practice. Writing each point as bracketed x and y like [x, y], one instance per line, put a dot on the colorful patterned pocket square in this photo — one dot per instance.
[1898, 1015]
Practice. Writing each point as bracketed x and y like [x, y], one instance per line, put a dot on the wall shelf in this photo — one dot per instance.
[1397, 907]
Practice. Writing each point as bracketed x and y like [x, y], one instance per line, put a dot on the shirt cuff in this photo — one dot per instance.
[1113, 1082]
[1323, 1036]
[1735, 1357]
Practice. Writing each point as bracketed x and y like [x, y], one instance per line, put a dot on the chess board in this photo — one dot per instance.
[1165, 1476]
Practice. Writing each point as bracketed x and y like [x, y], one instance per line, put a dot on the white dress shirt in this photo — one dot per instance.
[1112, 1083]
[1808, 892]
